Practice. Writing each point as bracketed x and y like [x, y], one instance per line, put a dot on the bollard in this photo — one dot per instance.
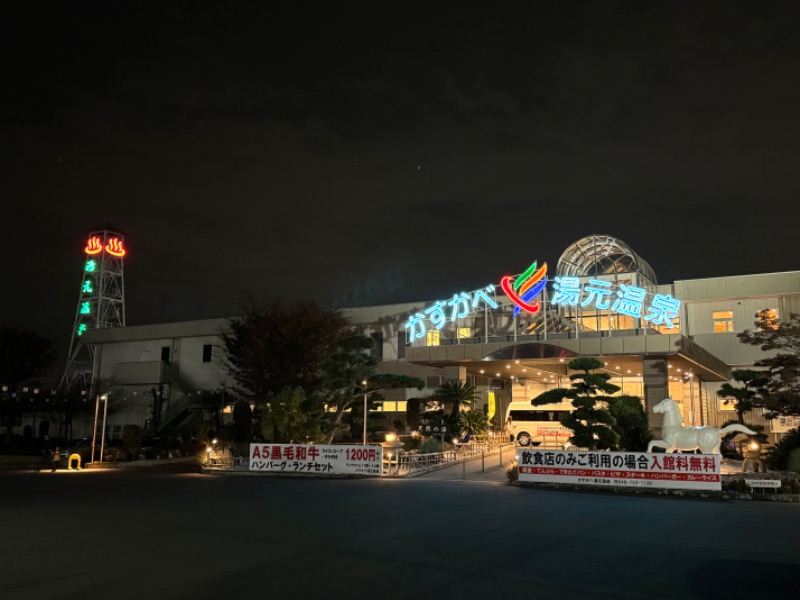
[463, 468]
[483, 458]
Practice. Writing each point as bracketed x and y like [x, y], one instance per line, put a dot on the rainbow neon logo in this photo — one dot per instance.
[522, 290]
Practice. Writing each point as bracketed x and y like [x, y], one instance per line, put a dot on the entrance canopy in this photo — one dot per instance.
[545, 361]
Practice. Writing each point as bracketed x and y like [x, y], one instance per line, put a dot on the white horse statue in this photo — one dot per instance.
[679, 437]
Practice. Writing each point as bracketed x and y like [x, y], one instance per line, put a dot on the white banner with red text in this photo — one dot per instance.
[623, 469]
[317, 459]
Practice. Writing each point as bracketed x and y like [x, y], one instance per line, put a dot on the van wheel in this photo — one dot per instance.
[524, 439]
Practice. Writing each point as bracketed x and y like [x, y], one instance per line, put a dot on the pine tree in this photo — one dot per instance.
[591, 425]
[748, 397]
[780, 394]
[351, 373]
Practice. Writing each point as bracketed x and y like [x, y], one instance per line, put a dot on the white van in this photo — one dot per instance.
[538, 425]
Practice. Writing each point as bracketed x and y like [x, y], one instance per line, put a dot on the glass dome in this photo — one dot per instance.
[602, 255]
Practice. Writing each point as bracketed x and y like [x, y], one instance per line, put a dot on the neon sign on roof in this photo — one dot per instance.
[627, 299]
[460, 308]
[525, 289]
[114, 247]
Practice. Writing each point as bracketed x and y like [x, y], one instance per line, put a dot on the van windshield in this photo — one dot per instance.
[538, 415]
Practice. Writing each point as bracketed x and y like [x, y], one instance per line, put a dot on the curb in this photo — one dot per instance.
[140, 463]
[663, 493]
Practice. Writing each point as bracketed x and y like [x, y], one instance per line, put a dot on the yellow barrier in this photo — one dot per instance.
[76, 458]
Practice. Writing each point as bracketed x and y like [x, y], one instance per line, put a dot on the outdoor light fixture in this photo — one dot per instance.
[392, 447]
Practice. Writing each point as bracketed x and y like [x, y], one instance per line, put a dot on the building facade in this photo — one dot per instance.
[512, 340]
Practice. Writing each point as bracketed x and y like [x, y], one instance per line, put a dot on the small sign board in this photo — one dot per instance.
[432, 429]
[337, 459]
[763, 483]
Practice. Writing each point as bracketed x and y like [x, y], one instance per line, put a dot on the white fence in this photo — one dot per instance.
[408, 463]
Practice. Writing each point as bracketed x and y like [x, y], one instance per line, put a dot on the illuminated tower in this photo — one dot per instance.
[101, 302]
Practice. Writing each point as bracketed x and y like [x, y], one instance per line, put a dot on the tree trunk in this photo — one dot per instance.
[337, 420]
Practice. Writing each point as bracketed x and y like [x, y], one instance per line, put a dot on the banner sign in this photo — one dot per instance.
[316, 458]
[623, 469]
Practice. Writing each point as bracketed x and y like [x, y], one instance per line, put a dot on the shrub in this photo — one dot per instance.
[735, 485]
[132, 440]
[430, 445]
[793, 464]
[778, 455]
[632, 425]
[410, 442]
[789, 486]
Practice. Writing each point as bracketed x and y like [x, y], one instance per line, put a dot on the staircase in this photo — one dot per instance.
[187, 401]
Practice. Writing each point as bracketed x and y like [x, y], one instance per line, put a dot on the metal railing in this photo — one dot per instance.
[407, 463]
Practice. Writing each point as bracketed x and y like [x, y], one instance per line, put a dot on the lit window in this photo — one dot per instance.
[676, 327]
[465, 332]
[723, 321]
[432, 338]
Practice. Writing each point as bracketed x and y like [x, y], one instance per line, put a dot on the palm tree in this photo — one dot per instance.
[473, 422]
[455, 394]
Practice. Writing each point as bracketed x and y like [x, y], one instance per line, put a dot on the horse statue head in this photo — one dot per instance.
[665, 406]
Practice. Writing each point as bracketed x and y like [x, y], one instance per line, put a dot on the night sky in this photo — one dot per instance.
[401, 151]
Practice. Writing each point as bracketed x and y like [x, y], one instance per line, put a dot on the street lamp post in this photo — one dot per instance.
[96, 414]
[364, 389]
[104, 398]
